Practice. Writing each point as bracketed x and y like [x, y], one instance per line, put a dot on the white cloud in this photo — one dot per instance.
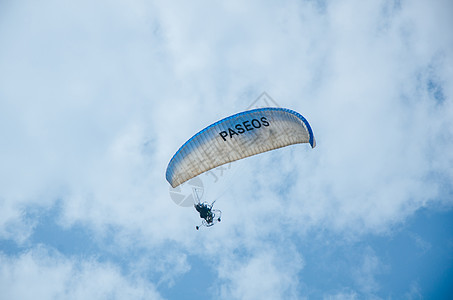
[265, 274]
[43, 274]
[13, 224]
[364, 275]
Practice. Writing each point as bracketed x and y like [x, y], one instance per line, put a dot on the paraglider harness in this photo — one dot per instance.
[209, 215]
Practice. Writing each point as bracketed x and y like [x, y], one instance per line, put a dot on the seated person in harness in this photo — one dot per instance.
[210, 216]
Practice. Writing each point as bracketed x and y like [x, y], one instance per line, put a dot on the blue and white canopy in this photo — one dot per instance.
[236, 137]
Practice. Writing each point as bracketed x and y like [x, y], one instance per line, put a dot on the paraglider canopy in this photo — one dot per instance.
[236, 137]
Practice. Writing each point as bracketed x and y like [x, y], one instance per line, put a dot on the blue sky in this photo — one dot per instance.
[96, 97]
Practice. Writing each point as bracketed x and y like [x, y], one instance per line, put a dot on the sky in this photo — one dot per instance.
[97, 96]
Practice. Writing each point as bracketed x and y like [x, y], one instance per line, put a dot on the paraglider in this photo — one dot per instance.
[210, 216]
[236, 137]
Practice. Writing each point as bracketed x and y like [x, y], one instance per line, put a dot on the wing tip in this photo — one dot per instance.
[313, 142]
